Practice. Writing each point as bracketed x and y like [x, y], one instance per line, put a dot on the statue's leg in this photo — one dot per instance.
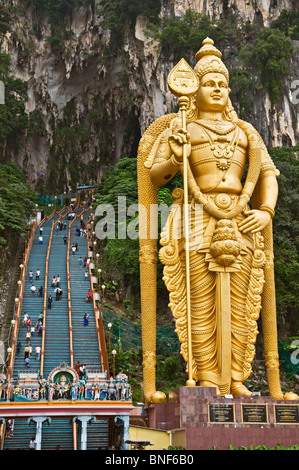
[203, 321]
[239, 326]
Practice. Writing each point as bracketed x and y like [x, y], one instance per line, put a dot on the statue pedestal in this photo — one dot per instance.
[211, 421]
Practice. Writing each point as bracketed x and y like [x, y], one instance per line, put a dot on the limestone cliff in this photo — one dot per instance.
[95, 101]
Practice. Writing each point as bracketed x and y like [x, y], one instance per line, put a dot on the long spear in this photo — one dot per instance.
[183, 82]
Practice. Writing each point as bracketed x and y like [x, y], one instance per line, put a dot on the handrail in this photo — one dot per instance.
[98, 319]
[59, 212]
[18, 308]
[69, 289]
[2, 432]
[69, 296]
[45, 300]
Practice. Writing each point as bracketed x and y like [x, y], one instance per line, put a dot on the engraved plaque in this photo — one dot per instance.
[221, 413]
[286, 414]
[254, 413]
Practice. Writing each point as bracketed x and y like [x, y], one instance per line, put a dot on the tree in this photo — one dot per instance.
[16, 202]
[286, 235]
[13, 118]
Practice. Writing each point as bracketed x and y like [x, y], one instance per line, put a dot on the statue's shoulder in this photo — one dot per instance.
[250, 131]
[159, 126]
[252, 134]
[160, 129]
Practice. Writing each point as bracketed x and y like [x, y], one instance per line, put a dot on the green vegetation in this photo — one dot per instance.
[4, 20]
[270, 54]
[182, 37]
[288, 22]
[36, 124]
[263, 447]
[13, 118]
[266, 51]
[119, 15]
[16, 202]
[121, 181]
[58, 14]
[130, 363]
[286, 233]
[240, 80]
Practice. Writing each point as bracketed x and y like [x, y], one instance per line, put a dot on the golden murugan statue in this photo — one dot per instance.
[221, 280]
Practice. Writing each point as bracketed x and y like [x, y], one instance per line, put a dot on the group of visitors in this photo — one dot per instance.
[31, 330]
[81, 232]
[61, 225]
[41, 238]
[57, 289]
[33, 287]
[9, 427]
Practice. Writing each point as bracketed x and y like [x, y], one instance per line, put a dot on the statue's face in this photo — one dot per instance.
[213, 92]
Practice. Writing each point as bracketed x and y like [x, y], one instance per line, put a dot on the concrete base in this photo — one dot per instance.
[210, 421]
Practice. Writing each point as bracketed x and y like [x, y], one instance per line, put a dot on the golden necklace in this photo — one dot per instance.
[223, 153]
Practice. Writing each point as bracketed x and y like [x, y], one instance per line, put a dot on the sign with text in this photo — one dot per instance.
[254, 413]
[286, 414]
[221, 413]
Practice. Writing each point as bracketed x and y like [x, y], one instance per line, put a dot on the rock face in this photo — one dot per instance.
[262, 11]
[115, 96]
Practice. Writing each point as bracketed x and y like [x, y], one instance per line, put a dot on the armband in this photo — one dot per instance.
[268, 209]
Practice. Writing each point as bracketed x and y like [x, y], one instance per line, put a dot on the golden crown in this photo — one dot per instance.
[208, 60]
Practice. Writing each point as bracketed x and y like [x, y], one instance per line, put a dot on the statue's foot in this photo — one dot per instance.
[239, 390]
[206, 383]
[290, 396]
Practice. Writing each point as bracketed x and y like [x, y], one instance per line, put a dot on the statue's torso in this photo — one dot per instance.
[210, 142]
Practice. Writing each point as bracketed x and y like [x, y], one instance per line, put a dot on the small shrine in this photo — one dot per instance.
[64, 383]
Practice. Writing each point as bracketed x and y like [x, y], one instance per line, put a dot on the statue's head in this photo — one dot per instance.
[213, 92]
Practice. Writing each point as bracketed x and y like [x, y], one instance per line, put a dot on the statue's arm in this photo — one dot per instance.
[257, 220]
[169, 156]
[268, 190]
[163, 172]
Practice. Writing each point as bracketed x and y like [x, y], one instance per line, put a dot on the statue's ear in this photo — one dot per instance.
[229, 90]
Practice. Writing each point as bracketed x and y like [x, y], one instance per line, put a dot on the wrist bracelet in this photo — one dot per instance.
[268, 209]
[174, 161]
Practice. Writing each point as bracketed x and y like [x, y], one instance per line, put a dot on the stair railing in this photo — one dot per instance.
[45, 301]
[98, 317]
[69, 290]
[69, 295]
[19, 300]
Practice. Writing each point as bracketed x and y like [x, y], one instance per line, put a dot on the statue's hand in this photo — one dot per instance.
[255, 221]
[176, 143]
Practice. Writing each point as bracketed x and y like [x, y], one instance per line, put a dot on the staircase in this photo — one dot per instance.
[22, 434]
[97, 435]
[58, 432]
[33, 305]
[57, 339]
[85, 339]
[57, 332]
